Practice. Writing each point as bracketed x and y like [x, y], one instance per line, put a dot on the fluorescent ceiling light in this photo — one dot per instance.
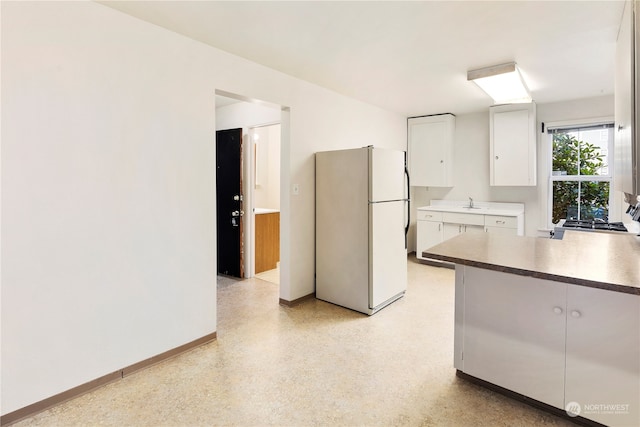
[502, 82]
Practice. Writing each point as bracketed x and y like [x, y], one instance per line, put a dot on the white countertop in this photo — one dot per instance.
[480, 208]
[259, 211]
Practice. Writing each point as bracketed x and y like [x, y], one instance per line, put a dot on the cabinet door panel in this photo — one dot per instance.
[510, 139]
[431, 150]
[512, 336]
[513, 145]
[473, 229]
[603, 354]
[451, 230]
[429, 234]
[502, 230]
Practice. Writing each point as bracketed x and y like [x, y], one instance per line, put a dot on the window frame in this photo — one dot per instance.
[548, 153]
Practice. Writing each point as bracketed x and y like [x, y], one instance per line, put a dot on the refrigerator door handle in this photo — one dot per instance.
[406, 228]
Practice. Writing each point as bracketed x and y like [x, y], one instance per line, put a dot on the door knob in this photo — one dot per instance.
[575, 313]
[557, 310]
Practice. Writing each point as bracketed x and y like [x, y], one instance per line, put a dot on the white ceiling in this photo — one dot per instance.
[410, 57]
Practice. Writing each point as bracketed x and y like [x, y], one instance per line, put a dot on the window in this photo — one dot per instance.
[580, 180]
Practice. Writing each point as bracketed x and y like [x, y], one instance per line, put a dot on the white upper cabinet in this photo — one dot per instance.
[431, 150]
[512, 148]
[626, 94]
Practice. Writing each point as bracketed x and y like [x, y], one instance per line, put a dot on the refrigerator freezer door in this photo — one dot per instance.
[388, 256]
[386, 169]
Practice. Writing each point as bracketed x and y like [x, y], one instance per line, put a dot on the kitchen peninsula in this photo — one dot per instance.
[555, 321]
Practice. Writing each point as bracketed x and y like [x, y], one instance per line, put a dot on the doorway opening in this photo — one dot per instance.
[262, 133]
[265, 142]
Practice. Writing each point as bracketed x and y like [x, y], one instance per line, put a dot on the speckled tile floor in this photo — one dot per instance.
[315, 364]
[272, 276]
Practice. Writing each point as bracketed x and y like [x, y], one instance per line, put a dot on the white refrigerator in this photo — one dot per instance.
[362, 217]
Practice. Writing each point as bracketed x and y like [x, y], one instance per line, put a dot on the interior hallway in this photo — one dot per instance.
[315, 364]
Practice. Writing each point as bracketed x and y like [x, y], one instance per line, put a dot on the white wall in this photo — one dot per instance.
[266, 192]
[471, 158]
[108, 197]
[246, 114]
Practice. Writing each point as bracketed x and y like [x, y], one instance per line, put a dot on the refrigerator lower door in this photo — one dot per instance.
[387, 253]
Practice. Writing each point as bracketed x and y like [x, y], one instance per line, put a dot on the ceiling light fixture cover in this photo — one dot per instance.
[502, 82]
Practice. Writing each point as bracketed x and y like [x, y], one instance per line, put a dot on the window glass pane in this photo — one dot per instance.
[594, 200]
[585, 200]
[581, 152]
[593, 152]
[565, 200]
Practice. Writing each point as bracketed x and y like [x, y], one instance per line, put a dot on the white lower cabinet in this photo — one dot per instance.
[603, 355]
[557, 343]
[430, 231]
[452, 230]
[429, 234]
[502, 224]
[501, 230]
[512, 335]
[434, 227]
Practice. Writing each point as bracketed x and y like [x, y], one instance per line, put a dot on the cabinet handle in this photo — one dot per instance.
[575, 313]
[497, 157]
[557, 310]
[441, 161]
[500, 222]
[439, 227]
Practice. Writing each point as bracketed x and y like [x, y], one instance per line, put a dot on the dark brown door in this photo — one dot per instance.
[229, 202]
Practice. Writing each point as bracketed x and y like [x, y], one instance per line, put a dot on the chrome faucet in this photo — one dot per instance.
[470, 203]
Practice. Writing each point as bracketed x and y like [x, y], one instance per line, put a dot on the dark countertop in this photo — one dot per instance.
[599, 260]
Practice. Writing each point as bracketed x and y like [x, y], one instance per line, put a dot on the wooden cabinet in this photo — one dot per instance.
[512, 147]
[603, 354]
[555, 342]
[431, 150]
[267, 241]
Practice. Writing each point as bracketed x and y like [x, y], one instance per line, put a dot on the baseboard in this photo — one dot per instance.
[297, 301]
[34, 408]
[167, 354]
